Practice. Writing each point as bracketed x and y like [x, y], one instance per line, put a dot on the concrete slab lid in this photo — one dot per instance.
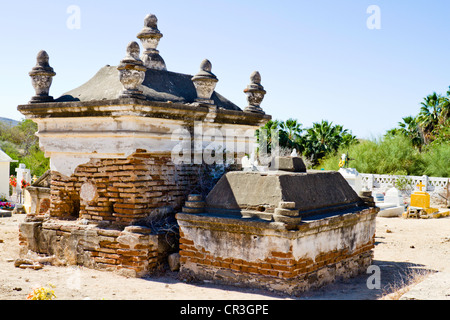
[158, 85]
[311, 191]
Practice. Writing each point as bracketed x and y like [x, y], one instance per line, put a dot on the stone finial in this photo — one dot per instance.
[255, 93]
[205, 82]
[194, 204]
[150, 37]
[287, 214]
[41, 78]
[366, 198]
[132, 72]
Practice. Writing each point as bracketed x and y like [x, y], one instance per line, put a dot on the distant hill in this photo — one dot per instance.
[9, 122]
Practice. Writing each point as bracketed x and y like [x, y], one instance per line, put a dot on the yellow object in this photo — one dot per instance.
[420, 199]
[430, 210]
[421, 185]
[42, 293]
[344, 161]
[427, 213]
[441, 214]
[420, 204]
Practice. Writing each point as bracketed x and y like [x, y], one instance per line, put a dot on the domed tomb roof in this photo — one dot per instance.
[158, 85]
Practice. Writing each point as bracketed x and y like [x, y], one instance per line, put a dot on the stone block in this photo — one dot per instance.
[286, 212]
[174, 261]
[291, 223]
[292, 164]
[31, 232]
[192, 210]
[195, 197]
[286, 205]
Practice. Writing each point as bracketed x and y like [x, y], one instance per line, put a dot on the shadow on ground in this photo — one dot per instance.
[391, 276]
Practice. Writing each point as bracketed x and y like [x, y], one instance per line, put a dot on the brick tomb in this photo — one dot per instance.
[125, 150]
[281, 231]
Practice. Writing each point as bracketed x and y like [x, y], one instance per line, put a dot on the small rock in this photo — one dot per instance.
[27, 264]
[412, 247]
[174, 261]
[388, 231]
[36, 266]
[19, 262]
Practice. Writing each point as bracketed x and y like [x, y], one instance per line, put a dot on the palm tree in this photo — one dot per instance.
[411, 129]
[429, 115]
[265, 134]
[292, 130]
[321, 139]
[348, 139]
[316, 142]
[445, 108]
[344, 138]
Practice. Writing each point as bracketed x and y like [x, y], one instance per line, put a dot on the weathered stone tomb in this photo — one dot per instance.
[125, 150]
[281, 230]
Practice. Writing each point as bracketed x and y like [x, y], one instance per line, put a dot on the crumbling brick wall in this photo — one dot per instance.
[261, 255]
[121, 190]
[277, 264]
[122, 199]
[134, 251]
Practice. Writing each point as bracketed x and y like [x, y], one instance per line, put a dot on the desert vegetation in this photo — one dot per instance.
[20, 143]
[418, 145]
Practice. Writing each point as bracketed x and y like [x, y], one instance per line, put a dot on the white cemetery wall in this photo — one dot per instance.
[437, 187]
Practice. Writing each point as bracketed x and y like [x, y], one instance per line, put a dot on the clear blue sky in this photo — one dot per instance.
[317, 59]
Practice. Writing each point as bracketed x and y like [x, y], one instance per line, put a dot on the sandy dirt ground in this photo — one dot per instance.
[402, 246]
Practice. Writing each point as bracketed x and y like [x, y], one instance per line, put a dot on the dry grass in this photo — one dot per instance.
[412, 276]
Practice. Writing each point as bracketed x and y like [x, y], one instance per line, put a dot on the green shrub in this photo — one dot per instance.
[21, 143]
[387, 155]
[437, 160]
